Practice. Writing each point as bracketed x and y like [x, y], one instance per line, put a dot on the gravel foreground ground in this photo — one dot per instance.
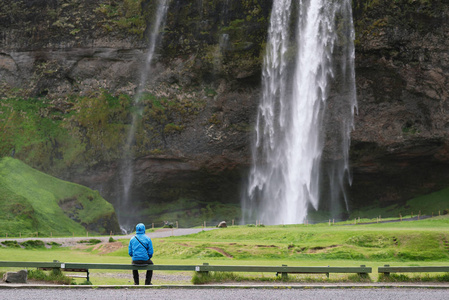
[237, 285]
[250, 293]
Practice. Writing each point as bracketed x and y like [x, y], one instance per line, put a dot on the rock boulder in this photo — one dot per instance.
[16, 277]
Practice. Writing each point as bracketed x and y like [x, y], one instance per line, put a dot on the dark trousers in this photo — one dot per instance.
[149, 275]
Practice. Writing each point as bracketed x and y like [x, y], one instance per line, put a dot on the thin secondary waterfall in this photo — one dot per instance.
[127, 166]
[307, 106]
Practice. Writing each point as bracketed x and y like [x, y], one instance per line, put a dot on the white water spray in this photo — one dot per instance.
[127, 163]
[299, 75]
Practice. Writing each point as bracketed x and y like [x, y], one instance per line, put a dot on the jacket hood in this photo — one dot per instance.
[140, 228]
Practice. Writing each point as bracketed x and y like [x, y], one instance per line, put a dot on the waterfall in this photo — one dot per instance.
[306, 109]
[127, 167]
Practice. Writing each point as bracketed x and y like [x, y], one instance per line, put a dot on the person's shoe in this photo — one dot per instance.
[136, 283]
[148, 283]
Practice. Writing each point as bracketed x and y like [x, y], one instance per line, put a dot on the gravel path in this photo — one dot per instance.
[72, 241]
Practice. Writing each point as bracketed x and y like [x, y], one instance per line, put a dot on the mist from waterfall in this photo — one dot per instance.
[306, 109]
[127, 166]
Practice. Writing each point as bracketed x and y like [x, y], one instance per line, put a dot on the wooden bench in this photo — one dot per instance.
[386, 270]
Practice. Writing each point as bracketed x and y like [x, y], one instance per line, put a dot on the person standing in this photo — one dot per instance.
[141, 251]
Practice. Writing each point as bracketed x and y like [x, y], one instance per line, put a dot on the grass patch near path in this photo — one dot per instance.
[209, 277]
[90, 242]
[423, 277]
[33, 244]
[54, 276]
[11, 244]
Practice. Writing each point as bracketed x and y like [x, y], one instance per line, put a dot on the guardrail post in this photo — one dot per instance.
[362, 274]
[56, 270]
[203, 272]
[284, 275]
[386, 273]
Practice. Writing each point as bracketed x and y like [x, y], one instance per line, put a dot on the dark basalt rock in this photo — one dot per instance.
[16, 277]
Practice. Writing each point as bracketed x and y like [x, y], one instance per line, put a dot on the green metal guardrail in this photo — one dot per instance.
[85, 267]
[283, 270]
[386, 270]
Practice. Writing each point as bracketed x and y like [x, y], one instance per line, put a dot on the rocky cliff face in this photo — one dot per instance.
[400, 143]
[202, 97]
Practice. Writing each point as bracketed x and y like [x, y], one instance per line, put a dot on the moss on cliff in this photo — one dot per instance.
[162, 117]
[226, 37]
[132, 16]
[56, 134]
[85, 130]
[99, 122]
[375, 17]
[36, 24]
[30, 129]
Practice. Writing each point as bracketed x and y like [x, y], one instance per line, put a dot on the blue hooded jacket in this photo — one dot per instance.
[138, 251]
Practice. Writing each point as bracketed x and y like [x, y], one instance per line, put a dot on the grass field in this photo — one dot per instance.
[406, 243]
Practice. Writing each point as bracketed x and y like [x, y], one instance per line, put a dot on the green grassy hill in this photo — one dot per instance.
[31, 201]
